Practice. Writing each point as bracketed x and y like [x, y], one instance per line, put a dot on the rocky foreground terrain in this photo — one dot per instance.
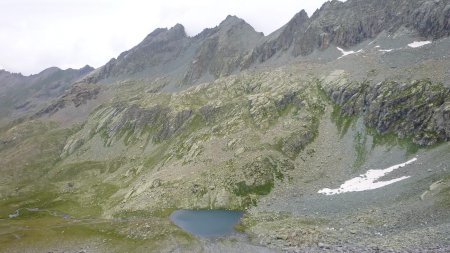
[96, 160]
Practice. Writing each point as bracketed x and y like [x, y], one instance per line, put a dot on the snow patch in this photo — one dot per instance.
[368, 181]
[419, 43]
[345, 53]
[386, 50]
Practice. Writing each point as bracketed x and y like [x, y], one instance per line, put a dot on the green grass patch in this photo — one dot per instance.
[76, 170]
[342, 122]
[391, 139]
[360, 142]
[242, 189]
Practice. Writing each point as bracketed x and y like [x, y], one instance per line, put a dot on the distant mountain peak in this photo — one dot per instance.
[231, 20]
[179, 29]
[301, 14]
[175, 32]
[299, 19]
[86, 69]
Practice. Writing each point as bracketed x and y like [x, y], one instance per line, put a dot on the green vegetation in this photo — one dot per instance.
[242, 189]
[342, 121]
[391, 139]
[360, 143]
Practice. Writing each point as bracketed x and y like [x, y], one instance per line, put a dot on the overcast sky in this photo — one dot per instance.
[37, 34]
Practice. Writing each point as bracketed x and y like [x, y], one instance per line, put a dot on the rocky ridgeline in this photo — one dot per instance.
[419, 110]
[346, 24]
[234, 45]
[170, 52]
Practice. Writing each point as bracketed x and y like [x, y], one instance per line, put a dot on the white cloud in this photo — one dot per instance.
[36, 34]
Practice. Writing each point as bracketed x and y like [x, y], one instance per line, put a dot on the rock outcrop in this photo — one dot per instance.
[419, 110]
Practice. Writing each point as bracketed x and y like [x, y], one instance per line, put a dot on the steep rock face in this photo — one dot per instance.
[153, 56]
[282, 39]
[432, 19]
[346, 24]
[222, 49]
[419, 110]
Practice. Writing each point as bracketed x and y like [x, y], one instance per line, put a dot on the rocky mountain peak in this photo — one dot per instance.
[222, 49]
[231, 20]
[86, 69]
[299, 18]
[49, 71]
[177, 32]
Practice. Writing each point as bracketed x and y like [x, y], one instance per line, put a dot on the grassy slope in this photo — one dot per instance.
[238, 143]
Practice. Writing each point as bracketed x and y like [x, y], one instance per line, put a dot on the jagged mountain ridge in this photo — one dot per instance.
[170, 52]
[234, 45]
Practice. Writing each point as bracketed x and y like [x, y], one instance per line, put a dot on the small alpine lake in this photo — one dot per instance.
[207, 223]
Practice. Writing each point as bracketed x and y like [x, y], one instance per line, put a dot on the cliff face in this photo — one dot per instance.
[346, 24]
[419, 110]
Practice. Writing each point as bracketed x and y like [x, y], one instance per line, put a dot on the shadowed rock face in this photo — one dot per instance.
[348, 23]
[419, 110]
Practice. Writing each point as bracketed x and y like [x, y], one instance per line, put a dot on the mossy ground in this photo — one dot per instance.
[45, 232]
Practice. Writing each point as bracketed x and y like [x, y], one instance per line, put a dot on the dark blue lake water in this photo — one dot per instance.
[207, 223]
